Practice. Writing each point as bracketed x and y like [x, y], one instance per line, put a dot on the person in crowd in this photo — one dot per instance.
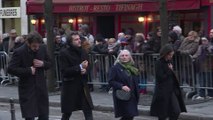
[5, 35]
[150, 36]
[113, 47]
[187, 49]
[167, 100]
[87, 47]
[121, 36]
[190, 44]
[58, 43]
[141, 45]
[155, 41]
[9, 42]
[74, 68]
[19, 41]
[178, 30]
[211, 36]
[204, 67]
[174, 40]
[101, 48]
[84, 31]
[128, 41]
[29, 63]
[85, 44]
[125, 76]
[63, 35]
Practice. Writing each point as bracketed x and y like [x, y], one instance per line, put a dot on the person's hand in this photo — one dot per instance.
[38, 63]
[33, 70]
[84, 64]
[126, 88]
[170, 66]
[83, 71]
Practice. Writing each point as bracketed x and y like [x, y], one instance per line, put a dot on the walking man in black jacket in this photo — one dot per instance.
[74, 67]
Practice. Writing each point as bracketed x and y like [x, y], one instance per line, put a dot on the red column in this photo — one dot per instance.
[209, 18]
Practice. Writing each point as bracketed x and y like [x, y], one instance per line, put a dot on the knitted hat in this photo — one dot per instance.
[166, 49]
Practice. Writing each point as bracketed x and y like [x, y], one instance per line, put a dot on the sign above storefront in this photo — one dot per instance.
[102, 7]
[10, 12]
[106, 8]
[207, 2]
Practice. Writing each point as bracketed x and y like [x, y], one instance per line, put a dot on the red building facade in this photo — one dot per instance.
[110, 17]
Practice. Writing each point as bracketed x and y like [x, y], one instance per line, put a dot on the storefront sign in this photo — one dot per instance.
[109, 7]
[106, 8]
[10, 12]
[207, 2]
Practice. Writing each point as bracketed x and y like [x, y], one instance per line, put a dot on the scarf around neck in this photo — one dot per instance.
[130, 68]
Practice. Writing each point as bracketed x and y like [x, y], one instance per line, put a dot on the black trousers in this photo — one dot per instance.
[41, 117]
[86, 110]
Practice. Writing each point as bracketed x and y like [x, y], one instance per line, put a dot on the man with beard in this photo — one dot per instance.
[74, 68]
[29, 63]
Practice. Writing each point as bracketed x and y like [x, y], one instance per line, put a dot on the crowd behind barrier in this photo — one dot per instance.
[191, 74]
[5, 78]
[186, 68]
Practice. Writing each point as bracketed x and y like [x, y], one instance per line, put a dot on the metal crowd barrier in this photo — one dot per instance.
[191, 76]
[6, 78]
[4, 58]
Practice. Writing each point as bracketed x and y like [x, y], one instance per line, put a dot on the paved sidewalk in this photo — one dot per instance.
[203, 110]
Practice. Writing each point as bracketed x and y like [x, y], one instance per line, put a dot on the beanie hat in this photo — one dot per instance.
[165, 50]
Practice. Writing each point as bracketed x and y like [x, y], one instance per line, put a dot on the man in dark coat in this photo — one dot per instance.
[167, 99]
[29, 63]
[74, 68]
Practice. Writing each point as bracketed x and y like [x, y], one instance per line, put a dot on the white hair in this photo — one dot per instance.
[121, 34]
[119, 55]
[178, 29]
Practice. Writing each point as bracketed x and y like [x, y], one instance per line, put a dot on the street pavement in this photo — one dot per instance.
[202, 110]
[55, 114]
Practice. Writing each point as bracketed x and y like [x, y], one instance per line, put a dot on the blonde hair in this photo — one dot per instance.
[112, 40]
[140, 34]
[194, 34]
[119, 55]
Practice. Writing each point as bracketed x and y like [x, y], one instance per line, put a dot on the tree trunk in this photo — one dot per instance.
[49, 21]
[164, 22]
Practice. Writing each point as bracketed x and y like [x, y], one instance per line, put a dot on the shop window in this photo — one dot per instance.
[131, 21]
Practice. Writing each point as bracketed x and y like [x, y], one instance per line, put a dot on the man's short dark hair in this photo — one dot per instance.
[34, 37]
[69, 36]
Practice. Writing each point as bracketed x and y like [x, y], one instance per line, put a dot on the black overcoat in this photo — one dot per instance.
[166, 86]
[74, 85]
[118, 77]
[33, 93]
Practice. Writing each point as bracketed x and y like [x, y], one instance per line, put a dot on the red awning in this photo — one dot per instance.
[109, 6]
[207, 2]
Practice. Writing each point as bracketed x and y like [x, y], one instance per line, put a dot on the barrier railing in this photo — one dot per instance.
[4, 76]
[192, 73]
[4, 58]
[101, 63]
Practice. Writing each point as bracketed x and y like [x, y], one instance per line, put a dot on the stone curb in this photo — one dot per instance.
[142, 111]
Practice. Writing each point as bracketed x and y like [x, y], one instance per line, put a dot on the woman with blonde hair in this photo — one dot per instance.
[124, 76]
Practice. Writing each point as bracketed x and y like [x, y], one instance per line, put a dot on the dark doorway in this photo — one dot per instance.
[106, 26]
